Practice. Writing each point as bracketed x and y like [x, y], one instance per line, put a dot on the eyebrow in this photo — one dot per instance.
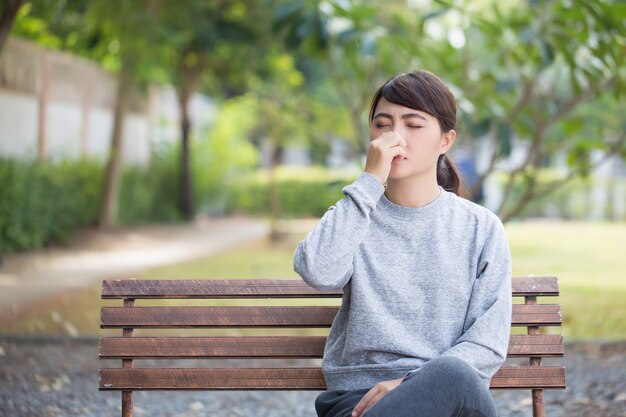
[404, 116]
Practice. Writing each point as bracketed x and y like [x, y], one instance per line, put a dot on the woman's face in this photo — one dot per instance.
[421, 131]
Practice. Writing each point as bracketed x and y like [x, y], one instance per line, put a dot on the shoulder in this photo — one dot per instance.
[469, 213]
[469, 208]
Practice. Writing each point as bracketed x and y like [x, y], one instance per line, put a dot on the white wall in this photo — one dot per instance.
[18, 124]
[75, 86]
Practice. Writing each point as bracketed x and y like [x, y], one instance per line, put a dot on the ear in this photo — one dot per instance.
[447, 139]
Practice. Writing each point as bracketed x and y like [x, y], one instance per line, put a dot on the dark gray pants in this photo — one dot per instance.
[443, 387]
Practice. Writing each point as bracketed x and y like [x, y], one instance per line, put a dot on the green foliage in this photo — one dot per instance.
[303, 192]
[571, 200]
[44, 203]
[551, 74]
[150, 194]
[224, 153]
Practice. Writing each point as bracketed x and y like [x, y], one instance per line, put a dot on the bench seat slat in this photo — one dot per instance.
[274, 288]
[274, 316]
[212, 347]
[212, 379]
[287, 378]
[216, 317]
[529, 377]
[273, 347]
[218, 288]
[536, 345]
[536, 315]
[535, 286]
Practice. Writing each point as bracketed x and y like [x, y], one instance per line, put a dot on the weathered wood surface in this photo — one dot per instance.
[535, 286]
[525, 377]
[273, 316]
[529, 377]
[212, 347]
[540, 345]
[228, 288]
[212, 378]
[216, 317]
[532, 315]
[273, 347]
[275, 288]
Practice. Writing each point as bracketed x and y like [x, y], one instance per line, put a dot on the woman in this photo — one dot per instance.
[426, 311]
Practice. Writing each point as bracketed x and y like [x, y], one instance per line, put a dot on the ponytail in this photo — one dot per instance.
[448, 175]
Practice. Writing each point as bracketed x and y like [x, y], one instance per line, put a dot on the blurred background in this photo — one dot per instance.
[203, 139]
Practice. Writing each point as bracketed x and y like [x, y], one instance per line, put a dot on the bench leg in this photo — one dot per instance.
[127, 404]
[538, 405]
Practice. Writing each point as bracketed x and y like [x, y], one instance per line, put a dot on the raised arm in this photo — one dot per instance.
[324, 258]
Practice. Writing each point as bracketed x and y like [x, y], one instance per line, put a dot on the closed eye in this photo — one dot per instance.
[379, 126]
[415, 127]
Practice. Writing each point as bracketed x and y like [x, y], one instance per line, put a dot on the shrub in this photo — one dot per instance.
[41, 203]
[224, 153]
[302, 191]
[150, 194]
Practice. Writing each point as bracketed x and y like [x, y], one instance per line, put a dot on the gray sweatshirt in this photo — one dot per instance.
[418, 283]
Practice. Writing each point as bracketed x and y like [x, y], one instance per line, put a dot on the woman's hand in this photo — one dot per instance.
[374, 395]
[381, 152]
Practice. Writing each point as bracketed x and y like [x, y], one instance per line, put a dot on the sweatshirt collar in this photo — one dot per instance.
[410, 213]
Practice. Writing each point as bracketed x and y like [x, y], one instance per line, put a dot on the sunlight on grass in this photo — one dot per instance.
[588, 258]
[257, 260]
[591, 255]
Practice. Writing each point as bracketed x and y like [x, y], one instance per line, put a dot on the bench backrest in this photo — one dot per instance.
[532, 315]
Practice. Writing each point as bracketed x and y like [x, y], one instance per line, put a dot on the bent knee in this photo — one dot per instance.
[447, 370]
[454, 367]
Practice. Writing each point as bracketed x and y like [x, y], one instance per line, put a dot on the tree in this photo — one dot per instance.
[124, 38]
[8, 12]
[342, 37]
[128, 36]
[520, 71]
[204, 28]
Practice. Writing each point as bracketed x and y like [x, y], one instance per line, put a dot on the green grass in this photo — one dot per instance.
[588, 258]
[258, 260]
[590, 261]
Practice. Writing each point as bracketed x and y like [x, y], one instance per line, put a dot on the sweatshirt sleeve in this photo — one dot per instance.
[485, 339]
[324, 258]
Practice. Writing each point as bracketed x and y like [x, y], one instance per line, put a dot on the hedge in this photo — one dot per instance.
[41, 203]
[45, 203]
[303, 192]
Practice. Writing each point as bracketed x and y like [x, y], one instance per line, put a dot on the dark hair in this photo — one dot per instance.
[424, 91]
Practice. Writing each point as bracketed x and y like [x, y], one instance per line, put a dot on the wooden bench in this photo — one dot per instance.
[533, 345]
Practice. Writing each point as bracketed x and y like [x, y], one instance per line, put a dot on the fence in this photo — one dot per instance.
[55, 105]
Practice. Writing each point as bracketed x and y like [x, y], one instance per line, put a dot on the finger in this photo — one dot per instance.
[398, 139]
[373, 402]
[398, 153]
[358, 409]
[392, 138]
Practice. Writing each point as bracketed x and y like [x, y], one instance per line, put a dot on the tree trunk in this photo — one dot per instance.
[7, 17]
[110, 197]
[186, 193]
[191, 71]
[276, 210]
[42, 101]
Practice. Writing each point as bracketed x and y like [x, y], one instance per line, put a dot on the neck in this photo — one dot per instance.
[412, 192]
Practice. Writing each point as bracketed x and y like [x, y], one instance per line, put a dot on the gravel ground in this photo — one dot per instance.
[58, 377]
